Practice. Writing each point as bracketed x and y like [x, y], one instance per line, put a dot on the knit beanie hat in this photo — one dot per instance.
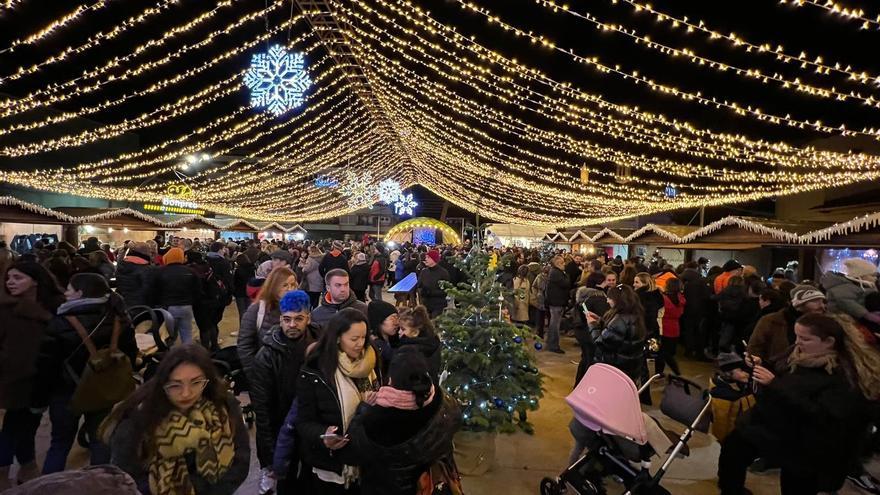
[377, 311]
[337, 245]
[859, 268]
[434, 255]
[139, 247]
[409, 371]
[174, 255]
[360, 259]
[802, 294]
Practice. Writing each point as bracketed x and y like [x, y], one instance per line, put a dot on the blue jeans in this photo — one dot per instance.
[17, 436]
[552, 339]
[183, 322]
[65, 424]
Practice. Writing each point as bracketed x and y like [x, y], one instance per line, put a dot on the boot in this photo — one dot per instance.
[28, 472]
[5, 482]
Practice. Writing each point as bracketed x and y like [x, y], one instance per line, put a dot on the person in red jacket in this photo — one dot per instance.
[673, 307]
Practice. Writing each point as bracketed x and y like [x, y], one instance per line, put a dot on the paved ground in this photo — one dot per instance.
[522, 460]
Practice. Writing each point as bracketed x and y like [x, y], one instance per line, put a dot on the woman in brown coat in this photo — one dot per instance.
[27, 302]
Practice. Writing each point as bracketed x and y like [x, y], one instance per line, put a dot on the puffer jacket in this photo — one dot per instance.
[433, 296]
[245, 269]
[333, 260]
[319, 408]
[134, 280]
[845, 295]
[176, 285]
[314, 281]
[652, 303]
[24, 323]
[429, 347]
[250, 338]
[273, 388]
[618, 344]
[672, 314]
[394, 447]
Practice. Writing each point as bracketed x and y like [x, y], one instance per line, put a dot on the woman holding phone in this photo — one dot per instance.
[619, 335]
[342, 369]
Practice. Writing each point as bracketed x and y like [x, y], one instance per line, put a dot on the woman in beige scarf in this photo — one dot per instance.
[342, 369]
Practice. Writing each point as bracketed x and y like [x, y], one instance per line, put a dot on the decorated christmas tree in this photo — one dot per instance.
[489, 366]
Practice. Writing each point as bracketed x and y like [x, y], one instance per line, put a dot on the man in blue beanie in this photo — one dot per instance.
[275, 370]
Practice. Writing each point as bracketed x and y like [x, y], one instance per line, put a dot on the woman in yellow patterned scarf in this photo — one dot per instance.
[181, 433]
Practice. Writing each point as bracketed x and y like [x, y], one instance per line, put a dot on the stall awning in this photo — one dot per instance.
[194, 222]
[240, 225]
[515, 230]
[18, 211]
[123, 217]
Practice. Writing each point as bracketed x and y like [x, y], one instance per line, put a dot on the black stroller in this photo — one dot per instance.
[617, 436]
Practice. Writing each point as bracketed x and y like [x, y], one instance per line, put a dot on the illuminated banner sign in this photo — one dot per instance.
[180, 210]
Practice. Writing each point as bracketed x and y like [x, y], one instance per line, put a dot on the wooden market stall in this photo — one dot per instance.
[114, 226]
[23, 223]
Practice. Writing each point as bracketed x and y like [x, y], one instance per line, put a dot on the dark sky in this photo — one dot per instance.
[806, 29]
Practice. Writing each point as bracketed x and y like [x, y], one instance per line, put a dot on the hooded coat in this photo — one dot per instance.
[331, 261]
[24, 323]
[134, 279]
[314, 279]
[618, 344]
[428, 347]
[252, 333]
[846, 295]
[275, 370]
[394, 447]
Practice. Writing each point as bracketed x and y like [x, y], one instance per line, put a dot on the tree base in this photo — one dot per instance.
[474, 452]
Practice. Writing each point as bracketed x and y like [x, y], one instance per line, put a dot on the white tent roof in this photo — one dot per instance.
[514, 230]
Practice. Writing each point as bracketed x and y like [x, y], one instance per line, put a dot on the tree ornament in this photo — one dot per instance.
[518, 339]
[539, 346]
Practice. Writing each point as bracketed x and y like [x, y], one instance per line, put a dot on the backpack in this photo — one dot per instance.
[215, 287]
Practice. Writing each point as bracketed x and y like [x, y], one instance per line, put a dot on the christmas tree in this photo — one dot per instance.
[489, 367]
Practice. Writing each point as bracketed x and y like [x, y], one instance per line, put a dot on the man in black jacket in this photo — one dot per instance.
[333, 260]
[433, 297]
[275, 371]
[134, 275]
[558, 288]
[217, 295]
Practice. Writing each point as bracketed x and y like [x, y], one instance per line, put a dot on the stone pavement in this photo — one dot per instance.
[522, 460]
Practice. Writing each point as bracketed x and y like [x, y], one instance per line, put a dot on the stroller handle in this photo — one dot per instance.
[648, 383]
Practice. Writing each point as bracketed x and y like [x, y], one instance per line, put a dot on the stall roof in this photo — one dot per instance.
[745, 230]
[608, 236]
[18, 211]
[274, 226]
[661, 234]
[295, 228]
[195, 222]
[860, 231]
[122, 217]
[240, 225]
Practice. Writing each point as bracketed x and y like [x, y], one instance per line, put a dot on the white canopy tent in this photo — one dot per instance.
[511, 234]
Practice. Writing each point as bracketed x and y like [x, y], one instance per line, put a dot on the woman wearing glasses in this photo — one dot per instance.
[182, 431]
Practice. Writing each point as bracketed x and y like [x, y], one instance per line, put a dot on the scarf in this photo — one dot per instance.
[201, 431]
[360, 368]
[400, 399]
[826, 360]
[83, 301]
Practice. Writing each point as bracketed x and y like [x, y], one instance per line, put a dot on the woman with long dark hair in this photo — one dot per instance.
[341, 371]
[181, 432]
[28, 299]
[619, 335]
[64, 357]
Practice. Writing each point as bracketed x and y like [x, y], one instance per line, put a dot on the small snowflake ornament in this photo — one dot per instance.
[389, 191]
[277, 80]
[359, 189]
[405, 205]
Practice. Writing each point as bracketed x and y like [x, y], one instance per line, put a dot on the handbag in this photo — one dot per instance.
[683, 401]
[442, 478]
[107, 377]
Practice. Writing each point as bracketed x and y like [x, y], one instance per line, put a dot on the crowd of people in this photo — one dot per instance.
[345, 386]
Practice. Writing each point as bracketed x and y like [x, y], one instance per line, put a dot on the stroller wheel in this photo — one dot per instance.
[550, 486]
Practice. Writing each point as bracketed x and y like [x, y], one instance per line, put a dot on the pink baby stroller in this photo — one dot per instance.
[619, 438]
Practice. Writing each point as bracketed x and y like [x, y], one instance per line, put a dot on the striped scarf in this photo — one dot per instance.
[201, 431]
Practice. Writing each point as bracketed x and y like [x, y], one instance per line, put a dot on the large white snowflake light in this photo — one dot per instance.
[277, 80]
[358, 188]
[405, 205]
[389, 191]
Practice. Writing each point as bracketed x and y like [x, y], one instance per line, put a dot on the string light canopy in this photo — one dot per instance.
[471, 100]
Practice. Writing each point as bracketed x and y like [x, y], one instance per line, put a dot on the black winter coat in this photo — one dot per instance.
[558, 288]
[134, 280]
[332, 260]
[428, 347]
[697, 292]
[319, 407]
[359, 277]
[176, 285]
[24, 323]
[652, 302]
[273, 388]
[433, 297]
[394, 447]
[811, 422]
[618, 344]
[61, 343]
[244, 271]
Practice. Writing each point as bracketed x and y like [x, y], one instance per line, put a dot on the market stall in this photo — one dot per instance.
[114, 226]
[856, 238]
[237, 229]
[296, 233]
[611, 242]
[272, 231]
[509, 234]
[194, 227]
[653, 239]
[23, 223]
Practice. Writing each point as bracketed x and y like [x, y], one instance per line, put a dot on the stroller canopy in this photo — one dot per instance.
[607, 400]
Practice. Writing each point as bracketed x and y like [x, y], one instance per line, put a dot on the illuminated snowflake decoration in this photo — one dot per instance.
[359, 189]
[389, 191]
[405, 205]
[277, 80]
